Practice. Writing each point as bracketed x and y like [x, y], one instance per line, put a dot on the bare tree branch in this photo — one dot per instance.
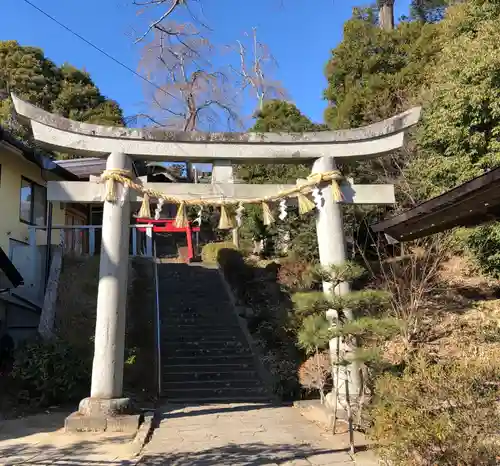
[169, 8]
[193, 94]
[256, 61]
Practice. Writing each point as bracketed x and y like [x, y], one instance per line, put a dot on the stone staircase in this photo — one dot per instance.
[205, 355]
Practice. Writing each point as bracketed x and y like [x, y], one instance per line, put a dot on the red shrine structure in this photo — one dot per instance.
[167, 225]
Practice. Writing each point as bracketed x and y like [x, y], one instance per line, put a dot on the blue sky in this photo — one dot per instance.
[299, 35]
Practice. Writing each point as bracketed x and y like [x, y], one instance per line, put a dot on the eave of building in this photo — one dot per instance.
[470, 204]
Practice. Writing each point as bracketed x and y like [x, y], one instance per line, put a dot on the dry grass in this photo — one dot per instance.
[443, 409]
[460, 318]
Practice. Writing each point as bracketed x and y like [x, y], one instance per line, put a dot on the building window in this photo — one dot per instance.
[33, 208]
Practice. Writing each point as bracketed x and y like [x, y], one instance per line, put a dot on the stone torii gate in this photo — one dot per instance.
[121, 145]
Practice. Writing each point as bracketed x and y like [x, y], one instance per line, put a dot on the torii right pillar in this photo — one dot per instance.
[333, 251]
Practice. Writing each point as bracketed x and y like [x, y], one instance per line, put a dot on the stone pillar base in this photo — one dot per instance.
[99, 415]
[107, 407]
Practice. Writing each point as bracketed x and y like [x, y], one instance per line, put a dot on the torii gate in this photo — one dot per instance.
[121, 145]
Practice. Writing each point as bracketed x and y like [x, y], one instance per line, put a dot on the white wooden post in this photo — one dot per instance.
[33, 252]
[91, 241]
[134, 241]
[149, 241]
[36, 282]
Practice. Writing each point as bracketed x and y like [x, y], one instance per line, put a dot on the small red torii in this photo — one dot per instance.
[167, 225]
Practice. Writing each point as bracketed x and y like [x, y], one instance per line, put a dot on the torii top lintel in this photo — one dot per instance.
[56, 132]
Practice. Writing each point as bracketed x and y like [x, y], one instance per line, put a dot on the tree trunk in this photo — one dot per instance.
[386, 15]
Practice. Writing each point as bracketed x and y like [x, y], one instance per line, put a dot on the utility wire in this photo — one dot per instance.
[106, 54]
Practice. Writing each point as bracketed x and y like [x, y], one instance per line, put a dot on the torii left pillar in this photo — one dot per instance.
[106, 408]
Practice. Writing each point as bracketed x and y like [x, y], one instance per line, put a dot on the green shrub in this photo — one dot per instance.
[284, 371]
[210, 251]
[237, 272]
[484, 244]
[50, 372]
[445, 413]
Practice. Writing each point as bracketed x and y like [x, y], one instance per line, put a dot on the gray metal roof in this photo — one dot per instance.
[84, 167]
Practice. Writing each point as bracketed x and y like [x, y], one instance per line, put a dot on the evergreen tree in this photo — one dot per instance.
[429, 11]
[458, 138]
[275, 117]
[64, 90]
[280, 116]
[446, 63]
[80, 99]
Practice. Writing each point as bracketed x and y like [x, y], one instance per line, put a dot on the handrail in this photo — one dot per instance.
[158, 320]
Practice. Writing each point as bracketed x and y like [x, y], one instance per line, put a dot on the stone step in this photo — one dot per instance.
[200, 330]
[201, 352]
[191, 327]
[205, 355]
[169, 338]
[207, 368]
[184, 344]
[207, 400]
[188, 326]
[211, 384]
[195, 376]
[185, 297]
[178, 338]
[199, 291]
[191, 324]
[209, 319]
[191, 361]
[218, 310]
[202, 327]
[220, 394]
[229, 347]
[216, 288]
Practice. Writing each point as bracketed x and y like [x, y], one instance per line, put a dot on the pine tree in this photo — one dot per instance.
[352, 325]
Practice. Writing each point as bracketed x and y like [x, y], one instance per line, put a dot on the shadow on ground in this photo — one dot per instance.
[39, 440]
[172, 410]
[245, 435]
[252, 454]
